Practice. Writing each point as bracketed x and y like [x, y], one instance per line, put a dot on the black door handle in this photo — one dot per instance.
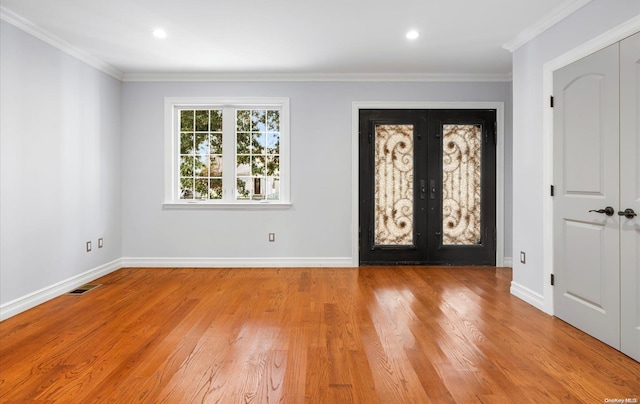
[423, 189]
[609, 211]
[628, 213]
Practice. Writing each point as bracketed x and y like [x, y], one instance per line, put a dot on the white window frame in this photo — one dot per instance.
[172, 105]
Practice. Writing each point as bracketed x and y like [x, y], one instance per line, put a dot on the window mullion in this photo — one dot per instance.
[228, 153]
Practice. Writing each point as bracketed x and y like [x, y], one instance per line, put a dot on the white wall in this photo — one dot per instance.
[60, 133]
[530, 187]
[319, 224]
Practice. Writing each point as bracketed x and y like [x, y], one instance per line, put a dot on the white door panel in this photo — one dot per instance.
[586, 177]
[583, 136]
[630, 195]
[583, 271]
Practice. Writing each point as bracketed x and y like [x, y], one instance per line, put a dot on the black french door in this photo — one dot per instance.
[427, 187]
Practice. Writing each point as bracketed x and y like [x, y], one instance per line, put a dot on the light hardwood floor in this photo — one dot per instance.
[293, 335]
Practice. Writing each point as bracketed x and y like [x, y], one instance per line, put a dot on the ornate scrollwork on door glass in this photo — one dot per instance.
[393, 185]
[461, 185]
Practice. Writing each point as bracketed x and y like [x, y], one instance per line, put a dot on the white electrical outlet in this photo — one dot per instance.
[272, 237]
[100, 243]
[88, 246]
[523, 257]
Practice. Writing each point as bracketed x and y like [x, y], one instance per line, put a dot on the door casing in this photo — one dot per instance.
[355, 114]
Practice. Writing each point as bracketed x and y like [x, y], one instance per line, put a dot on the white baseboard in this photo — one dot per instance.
[187, 262]
[529, 296]
[33, 299]
[507, 262]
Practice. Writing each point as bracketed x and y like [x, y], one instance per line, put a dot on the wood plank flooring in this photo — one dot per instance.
[294, 335]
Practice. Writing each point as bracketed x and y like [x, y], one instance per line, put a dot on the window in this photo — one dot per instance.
[222, 152]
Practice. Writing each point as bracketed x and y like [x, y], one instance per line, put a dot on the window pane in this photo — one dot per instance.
[215, 188]
[201, 189]
[186, 166]
[273, 143]
[202, 143]
[215, 166]
[258, 166]
[202, 121]
[273, 121]
[215, 120]
[215, 142]
[186, 120]
[201, 168]
[243, 122]
[243, 141]
[186, 188]
[258, 143]
[273, 188]
[186, 143]
[461, 185]
[258, 120]
[273, 166]
[243, 166]
[243, 187]
[258, 188]
[393, 185]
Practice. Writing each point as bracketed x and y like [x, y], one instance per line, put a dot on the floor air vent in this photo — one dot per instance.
[81, 290]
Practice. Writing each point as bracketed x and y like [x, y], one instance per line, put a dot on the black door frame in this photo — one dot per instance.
[501, 260]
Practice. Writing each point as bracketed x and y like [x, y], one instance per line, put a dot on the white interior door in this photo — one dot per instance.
[586, 178]
[630, 195]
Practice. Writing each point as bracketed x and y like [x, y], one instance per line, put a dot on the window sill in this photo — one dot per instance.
[249, 205]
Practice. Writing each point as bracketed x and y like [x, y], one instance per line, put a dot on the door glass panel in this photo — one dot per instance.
[461, 185]
[393, 209]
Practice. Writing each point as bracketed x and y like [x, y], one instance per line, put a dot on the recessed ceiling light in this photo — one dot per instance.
[159, 33]
[413, 34]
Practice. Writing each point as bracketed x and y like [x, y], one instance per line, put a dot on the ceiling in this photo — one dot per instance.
[291, 37]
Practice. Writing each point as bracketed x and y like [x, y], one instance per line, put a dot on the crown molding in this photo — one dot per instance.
[288, 77]
[555, 16]
[59, 43]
